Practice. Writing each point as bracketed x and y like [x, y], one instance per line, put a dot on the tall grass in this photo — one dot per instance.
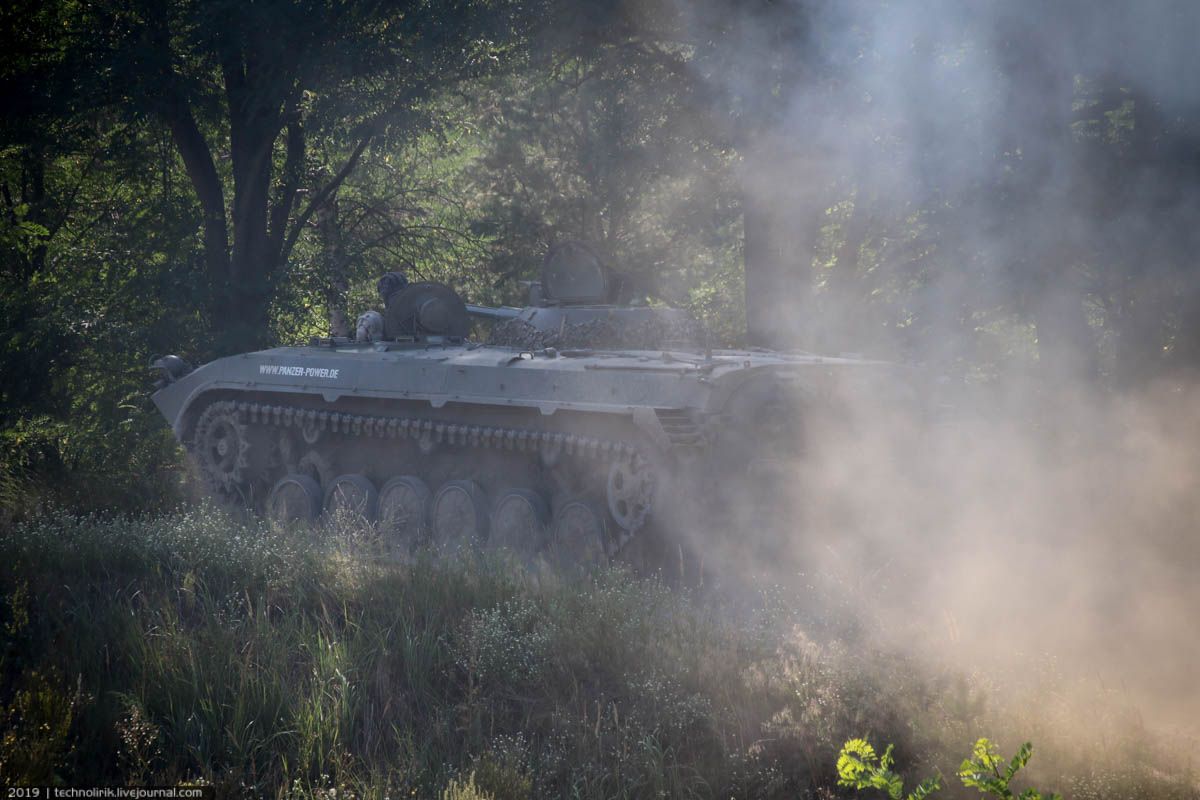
[275, 663]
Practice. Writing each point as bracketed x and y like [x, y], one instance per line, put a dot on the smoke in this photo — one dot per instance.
[963, 160]
[1038, 515]
[1013, 532]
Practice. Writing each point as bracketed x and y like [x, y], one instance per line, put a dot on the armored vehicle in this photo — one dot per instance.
[578, 426]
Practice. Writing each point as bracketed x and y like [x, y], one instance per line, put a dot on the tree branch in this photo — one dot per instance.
[293, 167]
[323, 194]
[372, 129]
[198, 161]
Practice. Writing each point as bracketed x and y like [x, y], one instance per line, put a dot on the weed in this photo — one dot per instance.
[459, 789]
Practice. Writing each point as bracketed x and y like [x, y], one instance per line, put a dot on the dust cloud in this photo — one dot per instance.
[1040, 513]
[1023, 529]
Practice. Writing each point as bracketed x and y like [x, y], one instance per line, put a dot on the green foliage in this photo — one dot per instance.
[859, 767]
[986, 771]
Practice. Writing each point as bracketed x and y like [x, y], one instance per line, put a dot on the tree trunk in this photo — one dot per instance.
[1185, 346]
[781, 225]
[251, 266]
[198, 161]
[255, 121]
[845, 322]
[1140, 329]
[761, 270]
[1066, 346]
[333, 262]
[33, 169]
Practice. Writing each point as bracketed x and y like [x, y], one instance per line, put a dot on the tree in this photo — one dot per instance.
[755, 55]
[243, 86]
[604, 135]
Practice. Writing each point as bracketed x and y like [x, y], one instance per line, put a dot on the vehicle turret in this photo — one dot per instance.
[576, 305]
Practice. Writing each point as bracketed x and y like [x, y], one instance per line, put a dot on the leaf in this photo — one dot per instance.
[1019, 760]
[860, 767]
[926, 788]
[855, 760]
[886, 760]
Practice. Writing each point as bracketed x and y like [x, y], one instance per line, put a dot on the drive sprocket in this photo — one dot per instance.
[631, 489]
[221, 446]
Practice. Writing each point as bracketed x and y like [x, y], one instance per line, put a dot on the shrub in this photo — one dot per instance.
[859, 767]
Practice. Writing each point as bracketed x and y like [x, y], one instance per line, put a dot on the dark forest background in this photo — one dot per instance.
[206, 177]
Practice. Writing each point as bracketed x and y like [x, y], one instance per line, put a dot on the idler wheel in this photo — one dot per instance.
[631, 484]
[404, 510]
[579, 537]
[518, 524]
[459, 515]
[352, 494]
[294, 498]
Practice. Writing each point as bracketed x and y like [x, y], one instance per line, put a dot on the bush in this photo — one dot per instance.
[859, 767]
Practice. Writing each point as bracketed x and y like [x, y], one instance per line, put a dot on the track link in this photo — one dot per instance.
[427, 432]
[430, 431]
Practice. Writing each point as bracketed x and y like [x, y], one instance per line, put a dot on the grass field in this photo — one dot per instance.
[193, 648]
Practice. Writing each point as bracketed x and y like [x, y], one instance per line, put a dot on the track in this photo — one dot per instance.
[228, 434]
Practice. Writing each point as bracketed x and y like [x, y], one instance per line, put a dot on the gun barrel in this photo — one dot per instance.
[487, 312]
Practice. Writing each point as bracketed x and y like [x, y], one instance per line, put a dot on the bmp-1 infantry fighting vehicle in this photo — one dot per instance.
[577, 426]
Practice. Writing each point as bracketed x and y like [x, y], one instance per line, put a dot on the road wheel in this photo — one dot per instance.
[294, 498]
[352, 494]
[404, 510]
[579, 538]
[459, 516]
[518, 523]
